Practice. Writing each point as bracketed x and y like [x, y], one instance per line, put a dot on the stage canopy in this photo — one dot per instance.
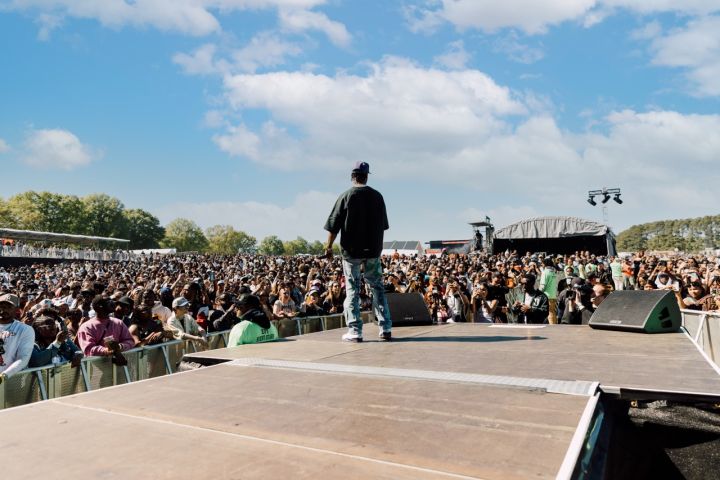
[33, 236]
[555, 235]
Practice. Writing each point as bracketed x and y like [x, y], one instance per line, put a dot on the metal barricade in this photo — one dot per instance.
[52, 381]
[704, 328]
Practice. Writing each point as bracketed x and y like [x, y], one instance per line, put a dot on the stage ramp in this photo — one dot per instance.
[449, 401]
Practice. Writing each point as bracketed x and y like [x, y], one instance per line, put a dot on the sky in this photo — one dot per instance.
[251, 113]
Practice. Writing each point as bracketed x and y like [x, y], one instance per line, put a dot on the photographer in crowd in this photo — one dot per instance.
[52, 344]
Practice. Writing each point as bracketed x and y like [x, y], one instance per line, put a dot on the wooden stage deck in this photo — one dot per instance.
[449, 401]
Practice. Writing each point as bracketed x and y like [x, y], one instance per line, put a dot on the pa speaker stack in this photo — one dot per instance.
[638, 311]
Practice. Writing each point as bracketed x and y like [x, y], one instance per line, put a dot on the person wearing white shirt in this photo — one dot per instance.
[16, 338]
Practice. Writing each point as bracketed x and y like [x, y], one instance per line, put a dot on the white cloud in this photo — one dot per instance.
[656, 142]
[304, 217]
[511, 46]
[695, 48]
[688, 7]
[460, 131]
[214, 119]
[397, 106]
[191, 17]
[4, 147]
[200, 62]
[48, 22]
[530, 16]
[649, 31]
[535, 17]
[265, 49]
[239, 141]
[56, 149]
[302, 20]
[455, 58]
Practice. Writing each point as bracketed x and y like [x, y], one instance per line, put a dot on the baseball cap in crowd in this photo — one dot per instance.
[361, 167]
[180, 302]
[10, 298]
[127, 301]
[249, 300]
[44, 303]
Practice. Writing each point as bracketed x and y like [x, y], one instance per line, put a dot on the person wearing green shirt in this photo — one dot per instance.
[549, 286]
[617, 275]
[254, 325]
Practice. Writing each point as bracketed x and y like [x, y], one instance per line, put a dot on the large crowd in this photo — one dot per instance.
[62, 312]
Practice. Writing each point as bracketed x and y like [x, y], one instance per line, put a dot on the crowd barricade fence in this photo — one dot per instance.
[53, 381]
[27, 251]
[704, 328]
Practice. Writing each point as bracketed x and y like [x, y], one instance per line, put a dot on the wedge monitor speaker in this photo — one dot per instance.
[408, 309]
[652, 311]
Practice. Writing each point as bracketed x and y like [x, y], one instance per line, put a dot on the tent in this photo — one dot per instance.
[412, 247]
[33, 236]
[556, 235]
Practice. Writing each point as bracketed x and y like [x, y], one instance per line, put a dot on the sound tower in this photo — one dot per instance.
[408, 309]
[652, 311]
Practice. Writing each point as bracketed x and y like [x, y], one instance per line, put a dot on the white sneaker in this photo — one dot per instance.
[352, 337]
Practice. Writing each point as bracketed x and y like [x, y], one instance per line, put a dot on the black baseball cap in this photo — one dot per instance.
[361, 167]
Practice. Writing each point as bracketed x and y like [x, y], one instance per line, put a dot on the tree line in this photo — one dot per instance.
[101, 215]
[687, 235]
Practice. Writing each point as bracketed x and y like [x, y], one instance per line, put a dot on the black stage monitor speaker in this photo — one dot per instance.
[653, 311]
[408, 309]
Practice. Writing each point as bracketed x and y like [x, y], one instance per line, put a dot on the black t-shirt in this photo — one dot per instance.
[360, 217]
[498, 292]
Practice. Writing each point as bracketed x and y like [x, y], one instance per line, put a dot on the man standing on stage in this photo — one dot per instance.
[360, 215]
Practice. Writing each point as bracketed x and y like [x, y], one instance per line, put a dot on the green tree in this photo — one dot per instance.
[297, 246]
[185, 236]
[271, 245]
[143, 229]
[7, 218]
[226, 240]
[47, 212]
[317, 248]
[105, 216]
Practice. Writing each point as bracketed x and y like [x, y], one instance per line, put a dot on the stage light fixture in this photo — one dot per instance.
[606, 197]
[617, 199]
[591, 200]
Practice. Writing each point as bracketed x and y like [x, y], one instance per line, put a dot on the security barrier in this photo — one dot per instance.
[29, 251]
[53, 381]
[704, 328]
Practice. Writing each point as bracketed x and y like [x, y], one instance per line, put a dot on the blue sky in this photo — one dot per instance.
[252, 112]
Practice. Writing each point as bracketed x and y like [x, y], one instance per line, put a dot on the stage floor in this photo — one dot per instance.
[450, 401]
[667, 362]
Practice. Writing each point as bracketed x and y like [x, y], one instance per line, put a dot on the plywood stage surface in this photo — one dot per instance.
[447, 401]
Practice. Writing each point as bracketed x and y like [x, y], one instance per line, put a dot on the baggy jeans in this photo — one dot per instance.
[373, 276]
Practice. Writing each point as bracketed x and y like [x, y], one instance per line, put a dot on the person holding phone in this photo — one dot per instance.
[103, 335]
[52, 341]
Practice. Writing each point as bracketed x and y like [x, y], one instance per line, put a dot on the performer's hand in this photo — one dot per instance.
[329, 252]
